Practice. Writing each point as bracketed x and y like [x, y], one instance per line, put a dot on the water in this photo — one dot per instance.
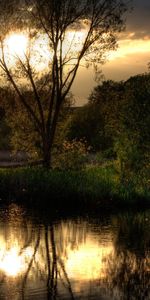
[77, 258]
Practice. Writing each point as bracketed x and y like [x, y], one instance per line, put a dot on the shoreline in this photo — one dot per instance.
[85, 190]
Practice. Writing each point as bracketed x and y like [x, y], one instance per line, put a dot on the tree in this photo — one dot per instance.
[116, 120]
[133, 140]
[5, 130]
[98, 120]
[25, 137]
[72, 31]
[108, 99]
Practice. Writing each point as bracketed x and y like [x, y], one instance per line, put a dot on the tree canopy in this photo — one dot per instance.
[116, 120]
[60, 35]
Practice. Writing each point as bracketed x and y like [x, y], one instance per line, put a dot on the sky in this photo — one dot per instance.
[131, 57]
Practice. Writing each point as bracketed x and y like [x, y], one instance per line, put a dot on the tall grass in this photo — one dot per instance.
[91, 187]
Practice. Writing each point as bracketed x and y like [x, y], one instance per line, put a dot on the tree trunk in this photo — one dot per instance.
[46, 155]
[47, 162]
[49, 138]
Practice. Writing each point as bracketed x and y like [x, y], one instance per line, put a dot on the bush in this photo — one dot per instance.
[72, 156]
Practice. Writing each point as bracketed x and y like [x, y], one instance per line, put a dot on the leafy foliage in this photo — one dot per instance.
[116, 122]
[97, 121]
[53, 21]
[72, 155]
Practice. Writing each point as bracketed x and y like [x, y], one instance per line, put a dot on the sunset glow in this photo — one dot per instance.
[88, 262]
[16, 44]
[128, 47]
[11, 262]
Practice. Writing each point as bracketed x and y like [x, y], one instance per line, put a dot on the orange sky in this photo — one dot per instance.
[131, 57]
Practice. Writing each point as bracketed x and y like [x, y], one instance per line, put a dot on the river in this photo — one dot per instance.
[87, 257]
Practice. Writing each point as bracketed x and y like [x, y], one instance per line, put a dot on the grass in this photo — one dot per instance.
[90, 188]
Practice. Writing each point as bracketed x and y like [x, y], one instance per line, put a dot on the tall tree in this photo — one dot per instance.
[135, 119]
[67, 32]
[98, 121]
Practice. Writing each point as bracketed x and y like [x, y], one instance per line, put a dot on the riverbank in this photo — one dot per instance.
[91, 188]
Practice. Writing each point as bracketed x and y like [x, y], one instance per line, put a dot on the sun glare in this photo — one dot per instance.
[13, 264]
[16, 44]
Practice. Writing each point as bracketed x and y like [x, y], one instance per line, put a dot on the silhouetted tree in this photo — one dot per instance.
[60, 25]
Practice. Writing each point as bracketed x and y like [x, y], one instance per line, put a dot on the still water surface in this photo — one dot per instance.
[77, 258]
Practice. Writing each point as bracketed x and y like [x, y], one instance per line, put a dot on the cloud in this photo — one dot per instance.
[130, 46]
[138, 21]
[131, 57]
[123, 68]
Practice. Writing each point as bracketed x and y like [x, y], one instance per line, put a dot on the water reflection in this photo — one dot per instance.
[74, 259]
[129, 268]
[11, 262]
[88, 262]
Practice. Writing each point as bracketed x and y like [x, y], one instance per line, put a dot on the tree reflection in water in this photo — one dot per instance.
[36, 256]
[74, 259]
[129, 268]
